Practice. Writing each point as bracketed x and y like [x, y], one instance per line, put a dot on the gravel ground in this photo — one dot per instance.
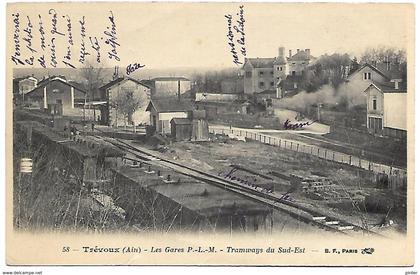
[217, 156]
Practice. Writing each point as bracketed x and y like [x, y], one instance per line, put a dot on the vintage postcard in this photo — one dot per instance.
[275, 134]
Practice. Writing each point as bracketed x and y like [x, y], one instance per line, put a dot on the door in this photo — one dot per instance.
[59, 107]
[375, 124]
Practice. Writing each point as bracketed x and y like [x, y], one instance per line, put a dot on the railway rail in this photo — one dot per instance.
[274, 200]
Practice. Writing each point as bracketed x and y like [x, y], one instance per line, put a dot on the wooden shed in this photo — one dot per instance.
[181, 128]
[162, 111]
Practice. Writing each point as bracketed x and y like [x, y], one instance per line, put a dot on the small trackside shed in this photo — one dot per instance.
[181, 128]
[162, 111]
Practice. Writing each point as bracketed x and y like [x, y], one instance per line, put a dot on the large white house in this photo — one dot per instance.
[262, 74]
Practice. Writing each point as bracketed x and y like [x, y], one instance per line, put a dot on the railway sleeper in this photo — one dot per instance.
[318, 218]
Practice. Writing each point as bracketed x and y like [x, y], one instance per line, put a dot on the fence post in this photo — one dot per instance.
[333, 155]
[297, 147]
[349, 159]
[325, 153]
[360, 162]
[318, 151]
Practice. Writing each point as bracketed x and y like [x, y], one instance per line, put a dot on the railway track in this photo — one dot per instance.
[273, 200]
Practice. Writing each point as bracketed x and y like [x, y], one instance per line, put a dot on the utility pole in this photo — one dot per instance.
[319, 105]
[179, 90]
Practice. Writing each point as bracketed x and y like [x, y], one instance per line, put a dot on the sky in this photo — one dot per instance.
[162, 35]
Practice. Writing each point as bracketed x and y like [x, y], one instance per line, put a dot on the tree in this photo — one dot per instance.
[126, 102]
[94, 78]
[383, 54]
[327, 69]
[354, 66]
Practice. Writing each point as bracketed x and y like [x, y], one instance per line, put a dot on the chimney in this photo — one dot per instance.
[281, 52]
[115, 75]
[290, 53]
[308, 51]
[297, 50]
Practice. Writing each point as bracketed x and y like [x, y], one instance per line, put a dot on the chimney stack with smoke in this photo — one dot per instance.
[281, 52]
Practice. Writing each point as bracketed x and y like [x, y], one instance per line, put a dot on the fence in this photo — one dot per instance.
[397, 176]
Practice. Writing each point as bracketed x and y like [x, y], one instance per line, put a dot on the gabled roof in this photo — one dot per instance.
[148, 83]
[279, 61]
[370, 66]
[119, 80]
[301, 56]
[170, 78]
[391, 70]
[388, 87]
[51, 78]
[181, 121]
[26, 77]
[46, 81]
[111, 83]
[261, 62]
[165, 105]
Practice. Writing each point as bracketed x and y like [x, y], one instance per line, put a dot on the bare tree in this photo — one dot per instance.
[383, 54]
[93, 75]
[126, 102]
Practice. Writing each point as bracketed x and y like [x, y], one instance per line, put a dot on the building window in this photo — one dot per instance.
[281, 68]
[261, 73]
[294, 85]
[374, 104]
[278, 68]
[271, 83]
[278, 78]
[271, 72]
[261, 84]
[293, 72]
[367, 76]
[248, 74]
[293, 63]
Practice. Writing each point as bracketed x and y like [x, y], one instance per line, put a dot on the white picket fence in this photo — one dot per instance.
[319, 152]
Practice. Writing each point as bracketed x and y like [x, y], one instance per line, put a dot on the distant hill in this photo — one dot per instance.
[144, 73]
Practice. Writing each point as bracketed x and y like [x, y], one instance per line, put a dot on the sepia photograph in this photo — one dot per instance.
[210, 133]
